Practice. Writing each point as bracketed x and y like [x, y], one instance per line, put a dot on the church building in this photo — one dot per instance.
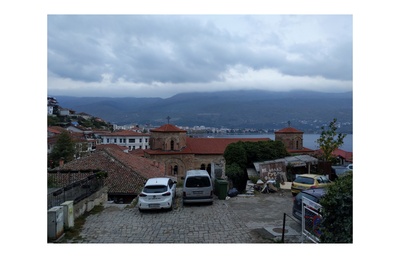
[170, 146]
[293, 140]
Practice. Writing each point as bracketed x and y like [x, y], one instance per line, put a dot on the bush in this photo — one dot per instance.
[238, 176]
[337, 211]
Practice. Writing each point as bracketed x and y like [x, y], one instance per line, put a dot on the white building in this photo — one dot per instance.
[130, 139]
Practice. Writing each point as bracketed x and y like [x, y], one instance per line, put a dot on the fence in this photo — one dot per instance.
[75, 191]
[311, 220]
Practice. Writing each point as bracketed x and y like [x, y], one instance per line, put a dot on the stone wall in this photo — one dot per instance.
[98, 198]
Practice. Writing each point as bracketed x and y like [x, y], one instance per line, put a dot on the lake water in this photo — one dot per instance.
[309, 140]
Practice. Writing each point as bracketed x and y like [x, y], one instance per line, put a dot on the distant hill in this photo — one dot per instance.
[305, 110]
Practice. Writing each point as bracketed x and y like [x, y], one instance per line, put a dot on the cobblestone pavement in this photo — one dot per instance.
[236, 220]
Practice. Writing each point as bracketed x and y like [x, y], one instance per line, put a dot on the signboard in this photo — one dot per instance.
[270, 171]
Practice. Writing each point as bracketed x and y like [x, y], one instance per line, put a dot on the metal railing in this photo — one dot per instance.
[75, 191]
[284, 225]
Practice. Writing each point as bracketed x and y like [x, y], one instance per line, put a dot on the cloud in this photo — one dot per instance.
[161, 55]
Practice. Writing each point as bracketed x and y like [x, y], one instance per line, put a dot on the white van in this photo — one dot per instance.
[197, 187]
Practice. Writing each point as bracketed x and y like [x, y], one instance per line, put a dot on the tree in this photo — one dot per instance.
[237, 175]
[236, 153]
[64, 148]
[240, 155]
[337, 211]
[330, 140]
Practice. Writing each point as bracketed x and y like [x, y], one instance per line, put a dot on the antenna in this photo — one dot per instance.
[168, 118]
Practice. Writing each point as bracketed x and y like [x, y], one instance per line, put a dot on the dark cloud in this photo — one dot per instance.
[174, 49]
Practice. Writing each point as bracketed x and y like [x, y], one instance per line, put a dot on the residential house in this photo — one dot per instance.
[126, 173]
[132, 140]
[83, 143]
[65, 112]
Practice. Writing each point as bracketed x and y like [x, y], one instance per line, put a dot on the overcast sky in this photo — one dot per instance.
[161, 55]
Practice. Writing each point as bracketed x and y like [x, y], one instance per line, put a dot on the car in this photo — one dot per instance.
[342, 170]
[350, 167]
[314, 194]
[306, 181]
[157, 193]
[197, 187]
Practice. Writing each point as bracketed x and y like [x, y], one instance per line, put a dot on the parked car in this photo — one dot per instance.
[158, 193]
[314, 194]
[306, 181]
[341, 170]
[197, 187]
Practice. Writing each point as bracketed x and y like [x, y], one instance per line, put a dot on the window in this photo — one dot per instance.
[172, 145]
[131, 140]
[197, 181]
[304, 180]
[324, 179]
[155, 189]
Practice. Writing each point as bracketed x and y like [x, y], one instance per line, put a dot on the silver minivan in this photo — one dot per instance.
[197, 187]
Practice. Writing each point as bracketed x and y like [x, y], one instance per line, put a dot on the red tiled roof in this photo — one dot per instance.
[55, 129]
[167, 128]
[206, 146]
[304, 150]
[346, 155]
[289, 130]
[126, 172]
[215, 145]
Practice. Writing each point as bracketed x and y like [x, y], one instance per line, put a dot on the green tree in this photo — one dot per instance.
[236, 153]
[330, 140]
[337, 211]
[63, 148]
[52, 120]
[237, 174]
[244, 154]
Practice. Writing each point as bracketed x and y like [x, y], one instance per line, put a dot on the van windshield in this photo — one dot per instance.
[198, 181]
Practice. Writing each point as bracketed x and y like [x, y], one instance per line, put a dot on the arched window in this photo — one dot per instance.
[203, 167]
[172, 145]
[175, 170]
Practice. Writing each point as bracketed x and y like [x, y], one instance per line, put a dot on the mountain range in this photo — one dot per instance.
[306, 110]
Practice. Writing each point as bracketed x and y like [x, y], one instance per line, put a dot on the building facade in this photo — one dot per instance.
[131, 140]
[170, 146]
